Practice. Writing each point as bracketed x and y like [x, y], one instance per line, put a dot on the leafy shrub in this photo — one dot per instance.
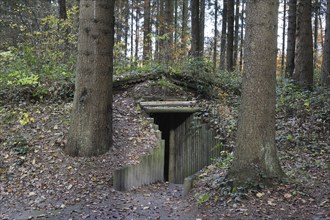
[46, 58]
[229, 82]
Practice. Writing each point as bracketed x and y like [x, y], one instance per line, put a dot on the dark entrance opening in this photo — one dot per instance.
[167, 123]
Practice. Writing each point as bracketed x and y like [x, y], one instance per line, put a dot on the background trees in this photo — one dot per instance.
[158, 31]
[303, 71]
[291, 42]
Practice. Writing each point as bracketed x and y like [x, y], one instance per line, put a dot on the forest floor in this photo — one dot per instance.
[38, 181]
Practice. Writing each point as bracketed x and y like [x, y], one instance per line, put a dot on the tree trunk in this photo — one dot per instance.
[184, 34]
[126, 26]
[223, 36]
[316, 30]
[235, 52]
[303, 73]
[230, 36]
[119, 20]
[195, 51]
[242, 39]
[62, 9]
[283, 37]
[169, 9]
[137, 31]
[325, 70]
[175, 27]
[90, 131]
[161, 41]
[215, 41]
[255, 157]
[146, 31]
[291, 41]
[132, 31]
[201, 27]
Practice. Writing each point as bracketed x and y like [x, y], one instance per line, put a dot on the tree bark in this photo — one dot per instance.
[283, 38]
[291, 40]
[325, 70]
[62, 9]
[223, 36]
[215, 41]
[137, 31]
[303, 72]
[126, 12]
[242, 39]
[230, 36]
[195, 51]
[316, 30]
[146, 32]
[255, 157]
[201, 27]
[169, 9]
[90, 131]
[161, 41]
[185, 30]
[236, 37]
[132, 31]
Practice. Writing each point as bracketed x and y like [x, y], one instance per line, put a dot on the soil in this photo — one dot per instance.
[38, 181]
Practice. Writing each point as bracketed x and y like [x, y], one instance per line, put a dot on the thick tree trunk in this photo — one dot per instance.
[303, 72]
[230, 36]
[91, 121]
[223, 36]
[255, 156]
[291, 41]
[325, 71]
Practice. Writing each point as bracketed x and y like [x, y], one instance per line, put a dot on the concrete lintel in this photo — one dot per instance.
[168, 103]
[167, 109]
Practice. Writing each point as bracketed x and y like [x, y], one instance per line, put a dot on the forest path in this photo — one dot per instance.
[157, 201]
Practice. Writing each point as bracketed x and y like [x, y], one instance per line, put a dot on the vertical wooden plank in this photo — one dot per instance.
[171, 176]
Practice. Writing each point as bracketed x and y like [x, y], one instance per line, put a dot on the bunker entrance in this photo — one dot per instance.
[168, 123]
[171, 117]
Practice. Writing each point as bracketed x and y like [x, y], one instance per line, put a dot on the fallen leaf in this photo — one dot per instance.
[287, 195]
[259, 194]
[270, 202]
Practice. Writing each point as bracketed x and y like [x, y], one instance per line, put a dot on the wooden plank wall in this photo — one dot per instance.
[149, 170]
[194, 148]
